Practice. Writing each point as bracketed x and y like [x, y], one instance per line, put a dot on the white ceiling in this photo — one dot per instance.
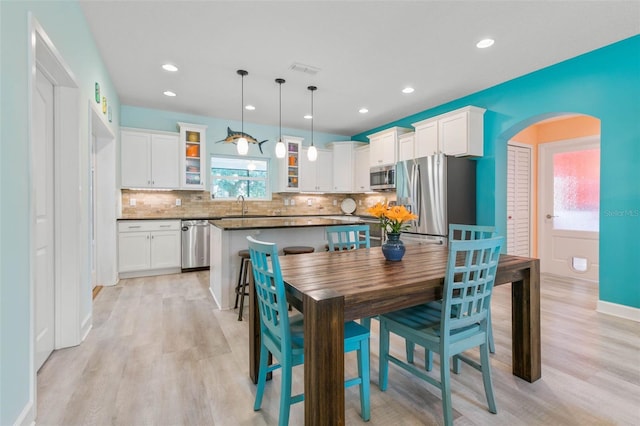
[366, 52]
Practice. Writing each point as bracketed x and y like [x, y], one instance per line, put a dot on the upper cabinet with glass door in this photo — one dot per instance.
[288, 179]
[194, 144]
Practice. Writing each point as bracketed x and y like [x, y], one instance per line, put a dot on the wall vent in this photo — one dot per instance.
[307, 69]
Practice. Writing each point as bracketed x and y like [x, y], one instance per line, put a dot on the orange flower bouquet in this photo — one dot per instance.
[392, 218]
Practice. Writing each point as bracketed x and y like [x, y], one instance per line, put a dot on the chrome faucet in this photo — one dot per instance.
[241, 199]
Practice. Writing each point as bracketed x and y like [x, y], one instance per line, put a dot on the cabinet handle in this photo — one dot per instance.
[165, 226]
[134, 226]
[147, 237]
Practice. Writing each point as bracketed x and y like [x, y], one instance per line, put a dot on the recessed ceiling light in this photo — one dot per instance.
[483, 44]
[308, 117]
[250, 108]
[363, 110]
[169, 67]
[408, 90]
[169, 93]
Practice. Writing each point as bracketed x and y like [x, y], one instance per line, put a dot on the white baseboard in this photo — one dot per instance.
[27, 417]
[214, 299]
[621, 311]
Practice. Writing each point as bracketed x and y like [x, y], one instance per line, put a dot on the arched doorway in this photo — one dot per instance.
[563, 195]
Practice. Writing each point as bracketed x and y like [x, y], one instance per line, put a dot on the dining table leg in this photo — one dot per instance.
[525, 317]
[323, 358]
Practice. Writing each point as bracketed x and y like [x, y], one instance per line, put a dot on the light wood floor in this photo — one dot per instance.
[161, 354]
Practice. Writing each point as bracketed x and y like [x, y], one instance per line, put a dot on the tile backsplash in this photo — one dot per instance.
[198, 204]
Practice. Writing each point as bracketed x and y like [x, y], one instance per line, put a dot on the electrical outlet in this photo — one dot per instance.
[359, 202]
[286, 201]
[335, 202]
[132, 202]
[178, 202]
[309, 202]
[292, 202]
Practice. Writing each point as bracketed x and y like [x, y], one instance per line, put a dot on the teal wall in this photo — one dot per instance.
[605, 84]
[64, 23]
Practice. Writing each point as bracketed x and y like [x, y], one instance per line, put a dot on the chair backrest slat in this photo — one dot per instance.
[471, 273]
[272, 301]
[470, 232]
[348, 237]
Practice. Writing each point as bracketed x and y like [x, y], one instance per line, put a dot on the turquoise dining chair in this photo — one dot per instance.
[459, 323]
[460, 233]
[348, 237]
[282, 335]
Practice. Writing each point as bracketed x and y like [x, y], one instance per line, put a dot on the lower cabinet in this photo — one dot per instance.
[148, 247]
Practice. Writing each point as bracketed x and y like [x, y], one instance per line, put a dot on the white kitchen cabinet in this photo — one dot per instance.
[406, 147]
[344, 165]
[426, 138]
[149, 159]
[148, 247]
[288, 178]
[458, 133]
[462, 132]
[361, 169]
[316, 176]
[193, 142]
[384, 146]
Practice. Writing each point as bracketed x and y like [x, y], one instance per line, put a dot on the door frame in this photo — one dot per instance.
[42, 54]
[104, 204]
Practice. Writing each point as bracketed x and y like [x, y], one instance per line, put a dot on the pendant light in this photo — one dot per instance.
[281, 150]
[312, 154]
[242, 144]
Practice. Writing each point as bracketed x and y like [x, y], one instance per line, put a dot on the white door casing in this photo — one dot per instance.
[44, 249]
[519, 205]
[569, 225]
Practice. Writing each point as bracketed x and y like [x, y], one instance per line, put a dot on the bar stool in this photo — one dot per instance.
[297, 250]
[243, 281]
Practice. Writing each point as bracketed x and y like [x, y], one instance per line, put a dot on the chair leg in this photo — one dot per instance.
[486, 378]
[262, 377]
[363, 373]
[409, 348]
[239, 284]
[428, 360]
[383, 368]
[285, 394]
[445, 387]
[243, 289]
[492, 345]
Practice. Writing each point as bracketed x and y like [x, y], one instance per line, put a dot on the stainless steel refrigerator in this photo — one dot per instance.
[439, 189]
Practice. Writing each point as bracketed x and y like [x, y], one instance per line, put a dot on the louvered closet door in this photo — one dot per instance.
[518, 200]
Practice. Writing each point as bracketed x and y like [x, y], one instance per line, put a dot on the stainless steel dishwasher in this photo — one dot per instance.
[195, 244]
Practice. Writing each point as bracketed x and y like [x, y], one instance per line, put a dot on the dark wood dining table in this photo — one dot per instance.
[331, 288]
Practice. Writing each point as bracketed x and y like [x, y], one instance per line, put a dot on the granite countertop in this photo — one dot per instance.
[278, 222]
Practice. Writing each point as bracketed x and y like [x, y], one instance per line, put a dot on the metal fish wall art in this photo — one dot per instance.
[233, 136]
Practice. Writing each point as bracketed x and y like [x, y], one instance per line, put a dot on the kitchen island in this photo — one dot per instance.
[228, 236]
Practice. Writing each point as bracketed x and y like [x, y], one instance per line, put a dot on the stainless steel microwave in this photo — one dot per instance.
[382, 178]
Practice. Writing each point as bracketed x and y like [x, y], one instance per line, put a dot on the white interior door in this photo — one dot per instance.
[519, 200]
[44, 207]
[570, 208]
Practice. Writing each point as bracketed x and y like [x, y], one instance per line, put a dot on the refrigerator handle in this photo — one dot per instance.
[417, 192]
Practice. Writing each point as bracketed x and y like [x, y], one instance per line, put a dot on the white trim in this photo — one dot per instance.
[43, 55]
[621, 311]
[27, 413]
[214, 299]
[86, 326]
